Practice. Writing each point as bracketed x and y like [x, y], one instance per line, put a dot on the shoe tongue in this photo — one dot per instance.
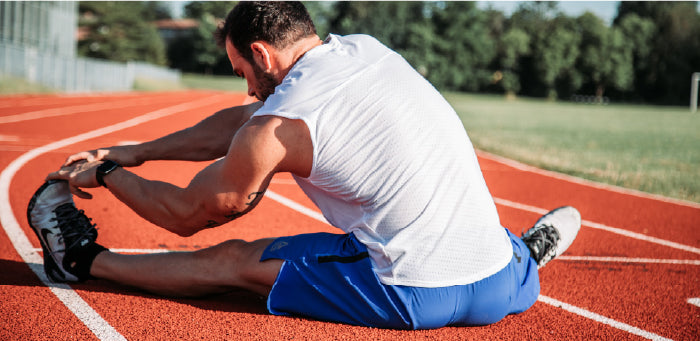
[65, 209]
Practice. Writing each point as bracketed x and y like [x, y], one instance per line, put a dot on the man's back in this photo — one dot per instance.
[392, 164]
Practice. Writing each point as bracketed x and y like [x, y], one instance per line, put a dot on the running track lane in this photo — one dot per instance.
[636, 295]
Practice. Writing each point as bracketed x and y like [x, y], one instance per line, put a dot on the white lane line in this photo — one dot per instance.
[589, 183]
[74, 109]
[595, 225]
[568, 307]
[142, 251]
[9, 138]
[296, 206]
[694, 301]
[629, 260]
[101, 328]
[600, 318]
[566, 258]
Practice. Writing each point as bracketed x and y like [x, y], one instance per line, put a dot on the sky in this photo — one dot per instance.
[606, 10]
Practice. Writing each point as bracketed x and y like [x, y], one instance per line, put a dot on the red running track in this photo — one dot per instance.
[633, 272]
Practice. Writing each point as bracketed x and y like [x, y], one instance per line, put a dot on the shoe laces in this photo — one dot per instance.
[75, 226]
[542, 242]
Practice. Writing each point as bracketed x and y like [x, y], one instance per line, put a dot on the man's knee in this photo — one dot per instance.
[237, 263]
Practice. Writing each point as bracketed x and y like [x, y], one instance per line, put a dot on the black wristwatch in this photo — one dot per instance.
[105, 168]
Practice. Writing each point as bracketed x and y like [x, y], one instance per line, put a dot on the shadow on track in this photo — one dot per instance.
[17, 273]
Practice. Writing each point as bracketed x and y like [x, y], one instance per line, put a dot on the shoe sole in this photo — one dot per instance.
[49, 262]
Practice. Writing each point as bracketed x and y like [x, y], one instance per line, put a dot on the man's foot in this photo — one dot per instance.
[67, 236]
[552, 234]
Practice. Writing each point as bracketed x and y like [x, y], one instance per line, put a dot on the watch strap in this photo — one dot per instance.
[105, 168]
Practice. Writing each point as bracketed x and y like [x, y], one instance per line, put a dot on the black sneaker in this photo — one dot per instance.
[552, 234]
[67, 236]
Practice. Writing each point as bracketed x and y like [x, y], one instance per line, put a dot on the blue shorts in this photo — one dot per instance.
[329, 277]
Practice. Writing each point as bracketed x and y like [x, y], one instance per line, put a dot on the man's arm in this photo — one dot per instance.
[221, 192]
[207, 140]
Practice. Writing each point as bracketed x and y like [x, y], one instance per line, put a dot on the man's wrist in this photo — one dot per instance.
[103, 170]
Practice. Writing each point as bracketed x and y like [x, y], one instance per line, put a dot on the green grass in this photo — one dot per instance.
[12, 85]
[225, 83]
[649, 148]
[147, 84]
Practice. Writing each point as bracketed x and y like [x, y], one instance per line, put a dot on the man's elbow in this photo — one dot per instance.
[179, 228]
[182, 222]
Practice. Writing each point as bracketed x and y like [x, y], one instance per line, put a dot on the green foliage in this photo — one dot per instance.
[556, 49]
[647, 54]
[606, 58]
[463, 41]
[217, 9]
[513, 44]
[437, 38]
[121, 31]
[198, 51]
[663, 71]
[206, 52]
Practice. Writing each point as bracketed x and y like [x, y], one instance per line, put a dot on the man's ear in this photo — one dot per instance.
[262, 55]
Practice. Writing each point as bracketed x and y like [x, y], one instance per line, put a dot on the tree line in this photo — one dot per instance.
[647, 54]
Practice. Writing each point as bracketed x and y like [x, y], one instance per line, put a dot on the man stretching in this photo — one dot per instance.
[371, 142]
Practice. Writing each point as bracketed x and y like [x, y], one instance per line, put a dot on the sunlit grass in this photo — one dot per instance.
[224, 83]
[649, 148]
[13, 85]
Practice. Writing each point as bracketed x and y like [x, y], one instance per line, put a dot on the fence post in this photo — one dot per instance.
[694, 92]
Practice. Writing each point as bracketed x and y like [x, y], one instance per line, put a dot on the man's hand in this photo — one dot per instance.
[80, 174]
[123, 155]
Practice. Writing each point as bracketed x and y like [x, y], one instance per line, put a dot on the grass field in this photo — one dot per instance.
[12, 85]
[648, 148]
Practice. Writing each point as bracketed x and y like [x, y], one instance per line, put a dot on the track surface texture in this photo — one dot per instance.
[633, 272]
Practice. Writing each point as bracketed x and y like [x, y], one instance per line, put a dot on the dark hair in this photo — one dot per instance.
[276, 23]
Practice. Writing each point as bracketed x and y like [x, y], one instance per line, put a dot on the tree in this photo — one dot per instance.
[662, 72]
[461, 37]
[206, 52]
[217, 9]
[403, 26]
[533, 18]
[513, 44]
[156, 10]
[321, 12]
[606, 60]
[120, 32]
[198, 52]
[555, 51]
[388, 21]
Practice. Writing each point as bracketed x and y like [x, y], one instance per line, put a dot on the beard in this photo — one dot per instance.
[266, 83]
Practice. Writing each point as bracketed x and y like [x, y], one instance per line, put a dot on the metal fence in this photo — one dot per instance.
[72, 74]
[46, 25]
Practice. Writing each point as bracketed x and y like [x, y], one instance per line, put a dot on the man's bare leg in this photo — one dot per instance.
[231, 264]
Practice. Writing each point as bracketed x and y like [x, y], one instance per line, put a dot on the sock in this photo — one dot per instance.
[79, 261]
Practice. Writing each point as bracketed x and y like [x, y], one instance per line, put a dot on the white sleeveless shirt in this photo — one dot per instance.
[392, 164]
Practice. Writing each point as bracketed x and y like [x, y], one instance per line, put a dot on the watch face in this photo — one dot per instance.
[105, 168]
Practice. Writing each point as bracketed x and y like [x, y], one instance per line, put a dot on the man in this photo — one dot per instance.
[373, 145]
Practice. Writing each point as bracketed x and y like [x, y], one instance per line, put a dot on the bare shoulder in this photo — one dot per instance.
[276, 141]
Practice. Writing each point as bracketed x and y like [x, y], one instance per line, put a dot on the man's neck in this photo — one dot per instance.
[290, 55]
